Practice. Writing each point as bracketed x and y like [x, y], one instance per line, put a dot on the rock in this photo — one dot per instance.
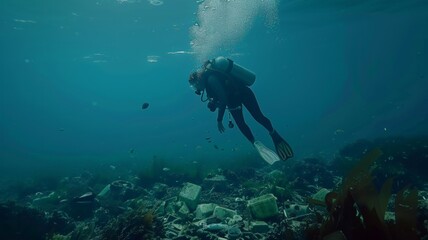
[250, 236]
[46, 202]
[263, 207]
[170, 234]
[281, 193]
[84, 231]
[216, 179]
[296, 229]
[219, 182]
[235, 219]
[259, 227]
[83, 206]
[177, 226]
[223, 213]
[181, 238]
[101, 216]
[338, 235]
[204, 210]
[275, 175]
[170, 205]
[234, 232]
[160, 190]
[60, 222]
[207, 221]
[123, 190]
[190, 194]
[18, 222]
[161, 209]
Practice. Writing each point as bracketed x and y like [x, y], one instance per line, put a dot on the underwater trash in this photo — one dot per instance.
[46, 201]
[216, 227]
[319, 197]
[86, 198]
[259, 227]
[204, 210]
[223, 213]
[190, 194]
[82, 207]
[145, 105]
[263, 207]
[295, 211]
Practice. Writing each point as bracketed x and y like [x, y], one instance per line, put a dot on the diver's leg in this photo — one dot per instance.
[242, 125]
[282, 147]
[250, 102]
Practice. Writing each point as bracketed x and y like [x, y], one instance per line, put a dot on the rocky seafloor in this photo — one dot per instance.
[372, 189]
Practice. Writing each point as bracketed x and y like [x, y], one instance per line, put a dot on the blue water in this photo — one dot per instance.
[74, 75]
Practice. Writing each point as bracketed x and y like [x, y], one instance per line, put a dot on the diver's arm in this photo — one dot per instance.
[220, 113]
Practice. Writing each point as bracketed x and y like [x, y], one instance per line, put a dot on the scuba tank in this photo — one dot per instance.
[228, 67]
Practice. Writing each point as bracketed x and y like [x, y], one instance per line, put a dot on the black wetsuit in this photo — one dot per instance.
[228, 92]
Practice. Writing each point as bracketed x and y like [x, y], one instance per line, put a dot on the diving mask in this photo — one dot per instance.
[196, 83]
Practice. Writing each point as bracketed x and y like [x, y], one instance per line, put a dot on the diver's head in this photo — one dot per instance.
[196, 82]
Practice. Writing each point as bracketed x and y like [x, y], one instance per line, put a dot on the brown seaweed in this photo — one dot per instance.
[357, 209]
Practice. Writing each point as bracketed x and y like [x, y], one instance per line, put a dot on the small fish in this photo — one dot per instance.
[145, 105]
[113, 167]
[339, 131]
[165, 169]
[215, 146]
[131, 151]
[207, 138]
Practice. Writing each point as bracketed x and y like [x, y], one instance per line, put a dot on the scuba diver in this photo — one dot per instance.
[227, 86]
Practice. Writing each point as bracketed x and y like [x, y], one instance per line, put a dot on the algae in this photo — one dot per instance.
[357, 209]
